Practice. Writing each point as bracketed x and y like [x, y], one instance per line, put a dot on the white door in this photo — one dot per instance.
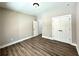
[35, 28]
[61, 28]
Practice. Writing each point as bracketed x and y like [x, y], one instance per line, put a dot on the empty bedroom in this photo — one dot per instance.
[39, 28]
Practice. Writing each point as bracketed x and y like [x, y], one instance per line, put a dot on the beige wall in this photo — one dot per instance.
[47, 19]
[0, 29]
[14, 25]
[77, 26]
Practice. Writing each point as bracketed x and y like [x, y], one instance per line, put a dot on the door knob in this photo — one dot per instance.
[60, 30]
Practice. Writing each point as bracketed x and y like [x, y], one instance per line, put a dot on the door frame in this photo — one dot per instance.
[35, 23]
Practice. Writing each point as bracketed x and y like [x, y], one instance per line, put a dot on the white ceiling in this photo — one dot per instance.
[28, 8]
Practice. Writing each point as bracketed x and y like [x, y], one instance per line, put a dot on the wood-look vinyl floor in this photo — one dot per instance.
[39, 46]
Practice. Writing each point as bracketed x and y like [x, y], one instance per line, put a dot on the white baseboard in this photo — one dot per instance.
[65, 42]
[68, 43]
[47, 37]
[31, 37]
[11, 43]
[60, 41]
[77, 49]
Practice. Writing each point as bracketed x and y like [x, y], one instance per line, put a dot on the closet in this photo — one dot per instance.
[62, 29]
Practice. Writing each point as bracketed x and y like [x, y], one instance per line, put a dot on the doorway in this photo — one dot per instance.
[35, 28]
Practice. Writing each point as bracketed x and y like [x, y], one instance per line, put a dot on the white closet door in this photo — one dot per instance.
[61, 28]
[35, 28]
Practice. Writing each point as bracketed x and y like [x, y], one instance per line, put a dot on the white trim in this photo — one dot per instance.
[77, 49]
[68, 43]
[65, 42]
[47, 37]
[11, 43]
[31, 37]
[60, 41]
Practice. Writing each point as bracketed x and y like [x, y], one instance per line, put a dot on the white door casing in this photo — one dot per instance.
[35, 28]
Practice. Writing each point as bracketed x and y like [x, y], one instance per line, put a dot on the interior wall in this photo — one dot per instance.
[15, 26]
[0, 29]
[58, 11]
[77, 25]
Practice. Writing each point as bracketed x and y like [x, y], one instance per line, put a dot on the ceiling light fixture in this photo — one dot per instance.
[36, 5]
